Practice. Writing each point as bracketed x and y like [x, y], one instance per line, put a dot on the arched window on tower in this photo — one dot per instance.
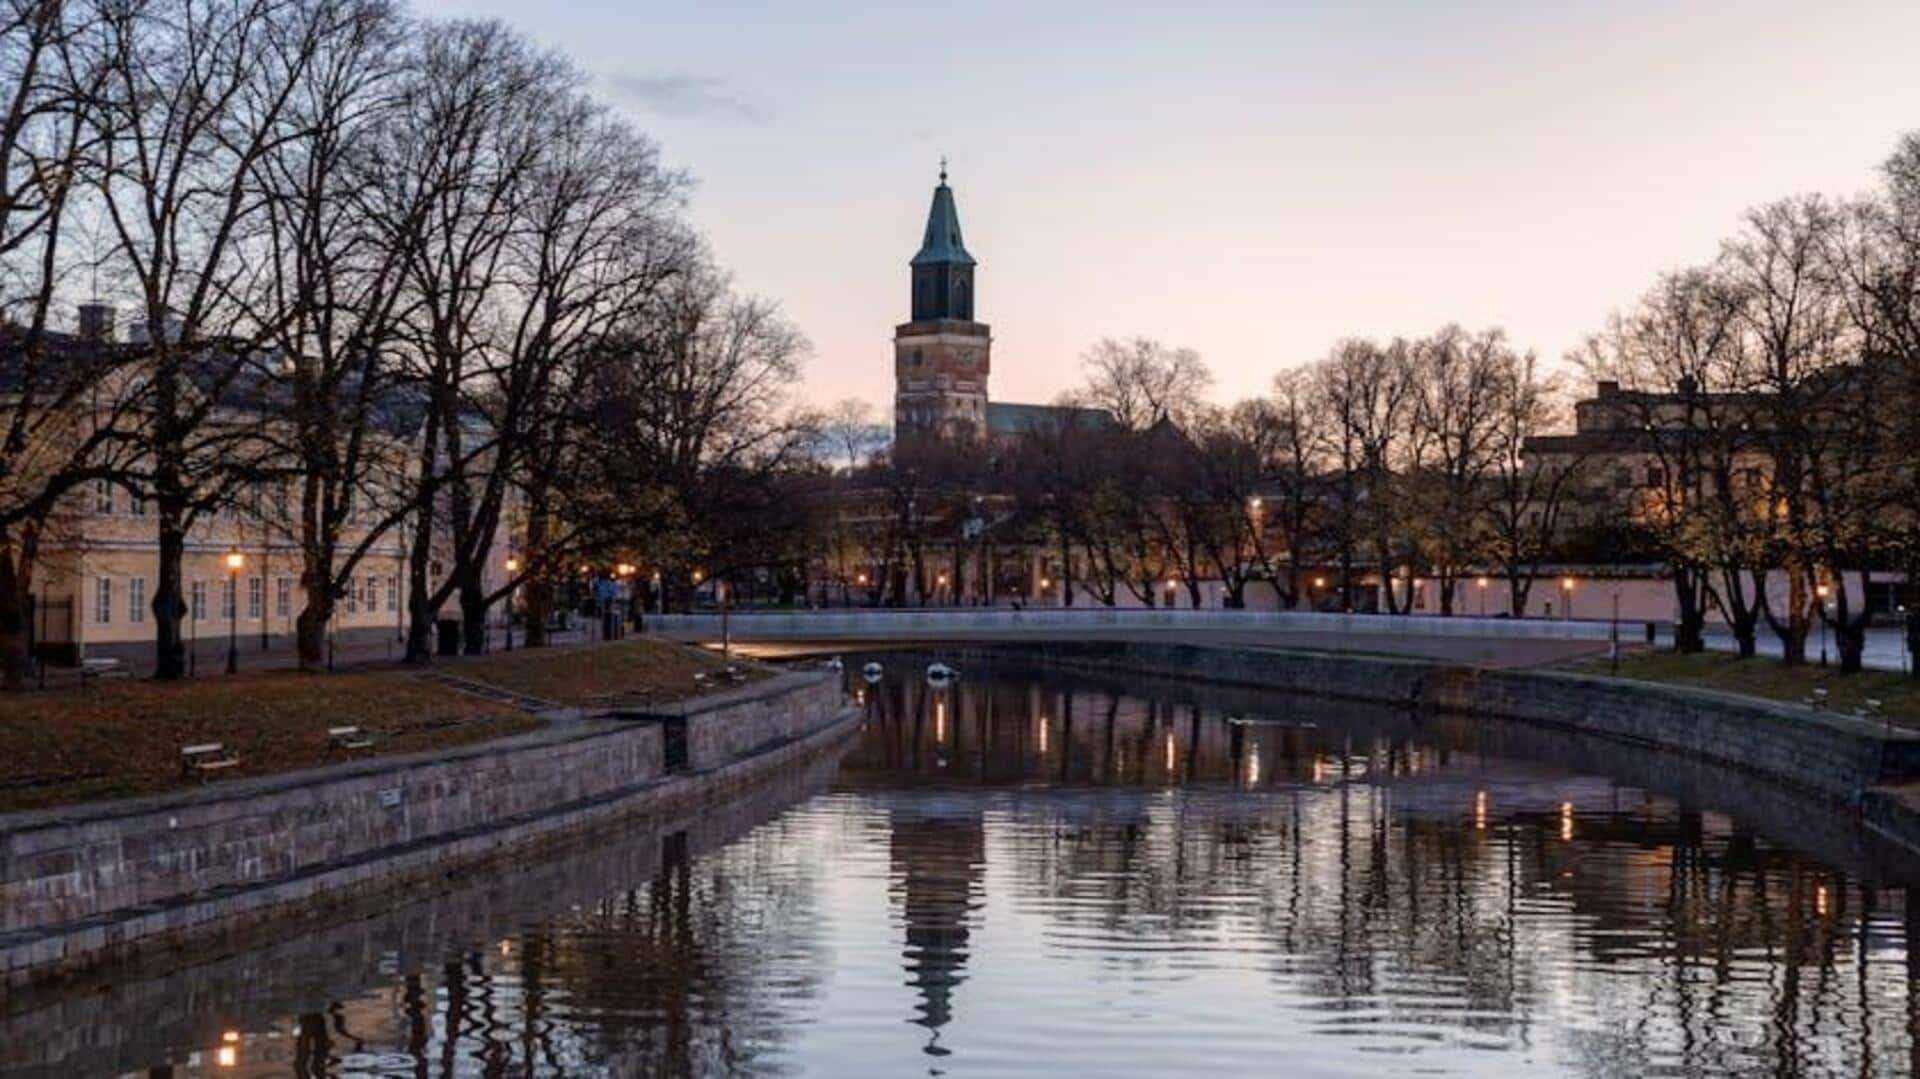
[962, 299]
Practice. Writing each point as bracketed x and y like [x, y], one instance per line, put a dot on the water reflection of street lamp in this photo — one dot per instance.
[235, 562]
[1825, 608]
[513, 567]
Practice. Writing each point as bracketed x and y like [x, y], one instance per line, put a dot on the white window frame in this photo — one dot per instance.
[103, 601]
[283, 596]
[198, 602]
[256, 598]
[137, 600]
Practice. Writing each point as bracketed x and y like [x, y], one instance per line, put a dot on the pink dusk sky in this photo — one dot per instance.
[1250, 180]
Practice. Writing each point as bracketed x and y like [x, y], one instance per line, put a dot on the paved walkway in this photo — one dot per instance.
[1482, 651]
[372, 648]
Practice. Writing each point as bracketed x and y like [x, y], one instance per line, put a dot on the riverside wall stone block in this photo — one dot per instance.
[178, 863]
[70, 863]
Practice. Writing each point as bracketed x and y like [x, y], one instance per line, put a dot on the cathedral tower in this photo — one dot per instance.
[940, 359]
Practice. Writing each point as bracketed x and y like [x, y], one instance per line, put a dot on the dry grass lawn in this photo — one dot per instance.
[577, 675]
[124, 738]
[1762, 677]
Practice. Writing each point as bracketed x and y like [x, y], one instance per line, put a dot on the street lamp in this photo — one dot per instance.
[1825, 607]
[513, 567]
[1482, 582]
[1566, 586]
[235, 562]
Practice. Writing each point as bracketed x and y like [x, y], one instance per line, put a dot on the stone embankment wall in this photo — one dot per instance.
[1837, 757]
[81, 883]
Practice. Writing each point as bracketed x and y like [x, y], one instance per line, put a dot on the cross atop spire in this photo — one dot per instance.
[943, 170]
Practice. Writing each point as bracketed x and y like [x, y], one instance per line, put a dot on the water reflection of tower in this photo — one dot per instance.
[938, 857]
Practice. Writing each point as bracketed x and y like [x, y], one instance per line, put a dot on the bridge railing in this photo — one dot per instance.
[886, 622]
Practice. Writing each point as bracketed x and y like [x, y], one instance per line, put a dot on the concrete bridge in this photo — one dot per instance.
[1496, 642]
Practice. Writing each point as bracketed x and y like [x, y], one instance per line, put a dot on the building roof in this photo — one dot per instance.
[1004, 418]
[941, 244]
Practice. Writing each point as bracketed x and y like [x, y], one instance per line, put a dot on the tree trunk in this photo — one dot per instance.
[1690, 625]
[310, 628]
[169, 649]
[1913, 639]
[13, 622]
[1850, 634]
[536, 599]
[419, 600]
[473, 614]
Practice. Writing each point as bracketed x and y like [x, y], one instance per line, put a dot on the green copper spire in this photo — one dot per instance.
[941, 245]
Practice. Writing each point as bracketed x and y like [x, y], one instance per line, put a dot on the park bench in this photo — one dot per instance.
[624, 699]
[349, 739]
[94, 670]
[206, 759]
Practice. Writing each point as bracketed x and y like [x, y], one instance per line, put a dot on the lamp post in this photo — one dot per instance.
[1482, 582]
[1319, 583]
[235, 561]
[1821, 591]
[626, 571]
[513, 567]
[1566, 589]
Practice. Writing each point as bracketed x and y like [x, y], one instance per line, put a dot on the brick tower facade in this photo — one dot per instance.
[942, 357]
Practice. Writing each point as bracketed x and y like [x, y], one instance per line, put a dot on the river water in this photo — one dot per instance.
[1042, 874]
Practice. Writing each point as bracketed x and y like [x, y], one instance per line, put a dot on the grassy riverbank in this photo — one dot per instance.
[663, 670]
[1768, 678]
[123, 738]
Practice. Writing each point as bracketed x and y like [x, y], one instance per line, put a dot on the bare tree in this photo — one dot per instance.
[332, 303]
[1530, 490]
[1140, 382]
[1793, 319]
[198, 93]
[67, 409]
[1459, 379]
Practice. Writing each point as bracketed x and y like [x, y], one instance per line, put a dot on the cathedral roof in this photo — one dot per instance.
[942, 245]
